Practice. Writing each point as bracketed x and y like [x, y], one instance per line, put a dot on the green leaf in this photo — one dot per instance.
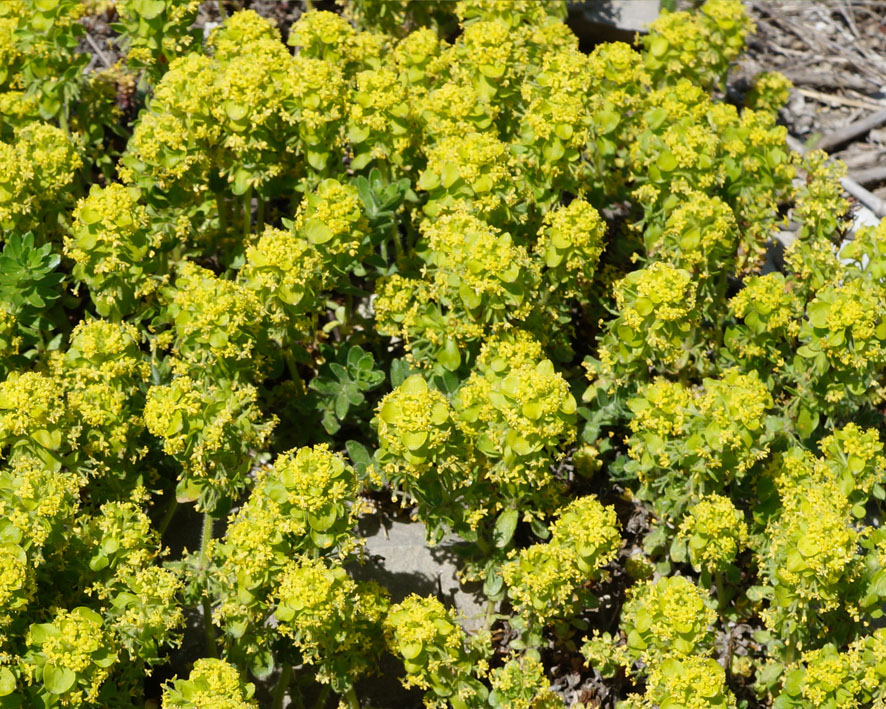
[7, 682]
[449, 357]
[807, 422]
[317, 232]
[505, 526]
[360, 456]
[818, 313]
[678, 550]
[58, 680]
[187, 491]
[149, 9]
[658, 46]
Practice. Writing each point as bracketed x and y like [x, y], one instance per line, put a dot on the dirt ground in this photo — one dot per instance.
[835, 53]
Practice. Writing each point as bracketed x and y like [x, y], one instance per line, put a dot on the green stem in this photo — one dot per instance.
[167, 518]
[282, 686]
[261, 216]
[490, 614]
[348, 325]
[293, 372]
[321, 700]
[221, 9]
[398, 248]
[351, 696]
[220, 208]
[205, 538]
[247, 213]
[208, 630]
[719, 582]
[63, 119]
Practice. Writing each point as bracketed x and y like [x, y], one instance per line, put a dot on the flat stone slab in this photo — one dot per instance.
[627, 15]
[398, 557]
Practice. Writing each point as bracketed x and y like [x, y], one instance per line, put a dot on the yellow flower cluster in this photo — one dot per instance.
[811, 552]
[668, 617]
[855, 455]
[656, 319]
[150, 612]
[121, 539]
[17, 585]
[521, 684]
[770, 92]
[40, 503]
[156, 32]
[324, 35]
[331, 218]
[210, 430]
[466, 112]
[661, 289]
[102, 372]
[314, 105]
[661, 407]
[735, 406]
[306, 502]
[71, 655]
[31, 416]
[36, 172]
[475, 266]
[429, 640]
[519, 416]
[821, 208]
[334, 622]
[240, 29]
[415, 423]
[689, 682]
[715, 532]
[215, 321]
[767, 306]
[510, 12]
[212, 683]
[287, 275]
[571, 240]
[320, 489]
[474, 168]
[378, 124]
[545, 580]
[421, 59]
[700, 236]
[589, 528]
[697, 45]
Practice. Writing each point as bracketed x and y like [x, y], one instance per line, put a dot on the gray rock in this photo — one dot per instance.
[398, 557]
[613, 20]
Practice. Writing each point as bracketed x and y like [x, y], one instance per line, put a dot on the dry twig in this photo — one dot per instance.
[839, 137]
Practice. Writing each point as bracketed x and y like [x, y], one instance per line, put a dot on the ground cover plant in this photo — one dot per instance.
[428, 257]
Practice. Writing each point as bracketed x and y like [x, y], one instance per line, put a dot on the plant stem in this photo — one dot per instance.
[282, 686]
[347, 326]
[221, 9]
[220, 208]
[167, 518]
[490, 614]
[63, 119]
[208, 630]
[247, 213]
[398, 247]
[260, 217]
[293, 372]
[351, 696]
[321, 700]
[721, 591]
